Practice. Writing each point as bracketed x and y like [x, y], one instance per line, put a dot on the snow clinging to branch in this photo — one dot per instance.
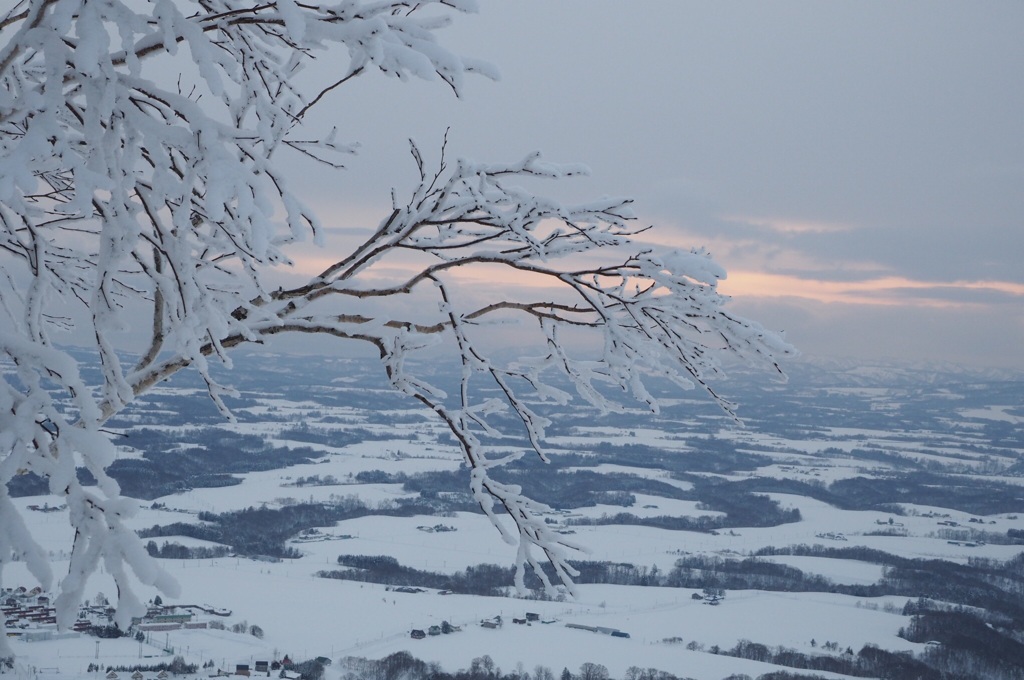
[124, 190]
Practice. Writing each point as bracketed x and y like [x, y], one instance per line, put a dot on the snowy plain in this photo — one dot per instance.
[305, 616]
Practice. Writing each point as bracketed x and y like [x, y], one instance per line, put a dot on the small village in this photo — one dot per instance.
[30, 617]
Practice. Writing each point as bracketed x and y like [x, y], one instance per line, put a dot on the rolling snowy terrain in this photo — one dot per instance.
[844, 496]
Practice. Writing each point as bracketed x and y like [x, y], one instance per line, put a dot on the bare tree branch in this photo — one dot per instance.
[138, 198]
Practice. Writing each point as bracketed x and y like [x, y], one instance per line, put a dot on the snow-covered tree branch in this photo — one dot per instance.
[122, 188]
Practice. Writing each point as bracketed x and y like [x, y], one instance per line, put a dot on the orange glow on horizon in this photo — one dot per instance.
[878, 291]
[788, 226]
[890, 291]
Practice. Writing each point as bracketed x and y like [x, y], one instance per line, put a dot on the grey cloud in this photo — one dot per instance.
[950, 294]
[903, 121]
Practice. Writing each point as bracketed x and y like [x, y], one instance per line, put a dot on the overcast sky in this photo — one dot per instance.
[857, 167]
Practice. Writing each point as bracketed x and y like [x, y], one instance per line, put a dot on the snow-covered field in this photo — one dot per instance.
[305, 616]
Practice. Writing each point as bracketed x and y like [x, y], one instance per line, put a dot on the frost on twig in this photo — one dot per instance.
[648, 315]
[124, 196]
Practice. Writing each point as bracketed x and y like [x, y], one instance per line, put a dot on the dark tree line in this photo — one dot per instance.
[261, 531]
[976, 496]
[178, 666]
[106, 632]
[177, 551]
[489, 579]
[703, 571]
[870, 661]
[576, 488]
[177, 460]
[709, 454]
[404, 666]
[874, 662]
[585, 488]
[990, 584]
[741, 510]
[483, 579]
[964, 642]
[559, 489]
[329, 436]
[701, 523]
[210, 459]
[265, 530]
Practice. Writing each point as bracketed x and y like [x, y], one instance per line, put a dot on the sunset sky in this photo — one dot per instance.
[857, 167]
